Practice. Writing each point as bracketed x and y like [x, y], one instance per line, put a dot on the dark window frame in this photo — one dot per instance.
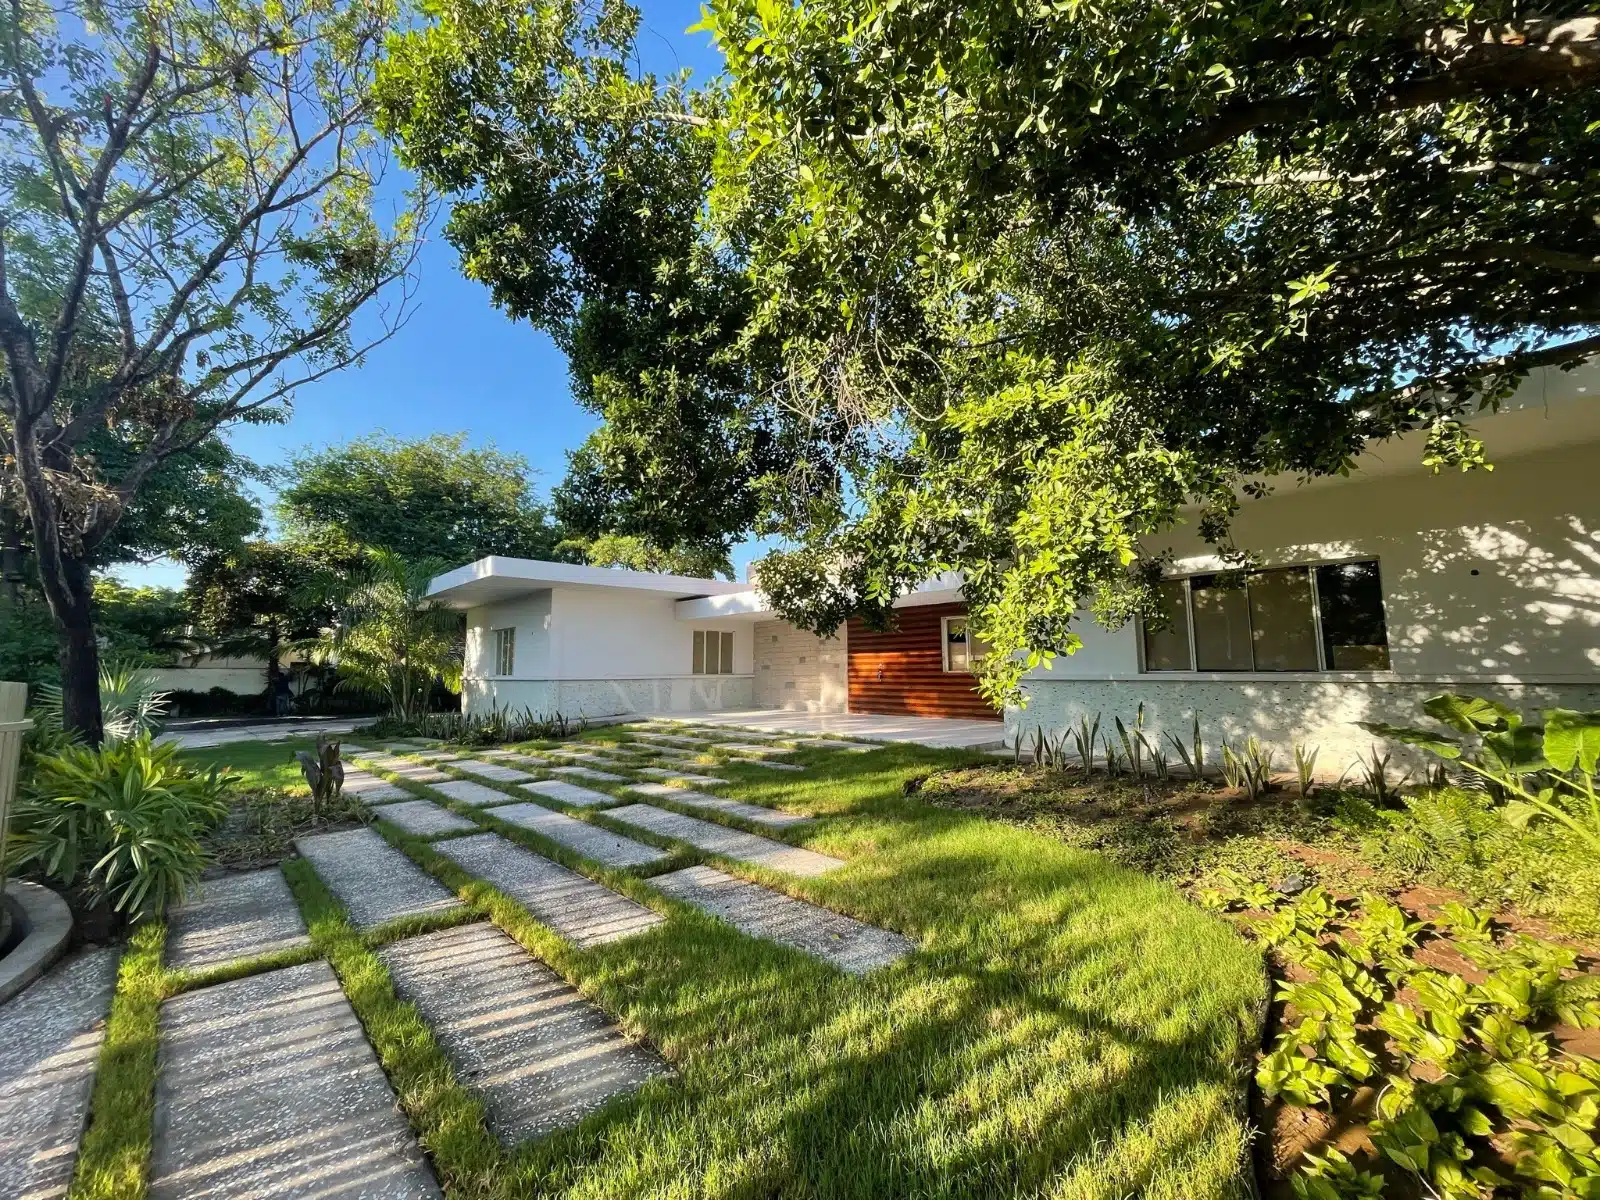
[1311, 568]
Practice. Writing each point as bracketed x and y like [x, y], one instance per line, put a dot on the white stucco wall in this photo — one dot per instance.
[1524, 628]
[598, 651]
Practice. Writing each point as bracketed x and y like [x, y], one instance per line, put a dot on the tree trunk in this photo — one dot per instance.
[79, 654]
[12, 572]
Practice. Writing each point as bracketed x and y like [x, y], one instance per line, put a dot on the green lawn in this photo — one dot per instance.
[1068, 1029]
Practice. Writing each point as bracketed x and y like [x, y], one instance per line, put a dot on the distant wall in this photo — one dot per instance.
[799, 671]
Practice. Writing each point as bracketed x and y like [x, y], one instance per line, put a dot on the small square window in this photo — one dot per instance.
[963, 649]
[505, 650]
[713, 652]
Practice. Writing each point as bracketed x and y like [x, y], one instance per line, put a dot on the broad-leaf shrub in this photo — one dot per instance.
[1467, 1074]
[124, 822]
[1543, 771]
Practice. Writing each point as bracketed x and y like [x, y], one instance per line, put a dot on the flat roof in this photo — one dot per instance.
[499, 578]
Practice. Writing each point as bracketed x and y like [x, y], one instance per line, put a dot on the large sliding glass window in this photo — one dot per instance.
[1322, 618]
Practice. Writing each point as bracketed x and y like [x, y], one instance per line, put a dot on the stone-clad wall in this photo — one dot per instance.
[1279, 713]
[610, 697]
[799, 671]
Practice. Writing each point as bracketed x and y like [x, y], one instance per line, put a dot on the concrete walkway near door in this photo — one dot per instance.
[940, 732]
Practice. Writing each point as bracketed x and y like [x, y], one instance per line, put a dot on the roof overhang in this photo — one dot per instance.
[752, 605]
[493, 579]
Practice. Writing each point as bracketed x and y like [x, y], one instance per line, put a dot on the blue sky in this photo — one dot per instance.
[460, 364]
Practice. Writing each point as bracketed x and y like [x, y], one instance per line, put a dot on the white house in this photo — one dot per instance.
[1376, 591]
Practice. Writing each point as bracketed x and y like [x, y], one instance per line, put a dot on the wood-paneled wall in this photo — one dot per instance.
[903, 671]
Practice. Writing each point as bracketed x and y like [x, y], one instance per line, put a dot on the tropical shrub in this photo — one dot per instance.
[122, 822]
[1474, 1094]
[1541, 772]
[480, 729]
[131, 704]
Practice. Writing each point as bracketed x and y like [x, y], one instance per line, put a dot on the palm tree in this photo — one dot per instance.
[390, 639]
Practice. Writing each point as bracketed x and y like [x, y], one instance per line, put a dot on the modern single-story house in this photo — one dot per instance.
[1373, 592]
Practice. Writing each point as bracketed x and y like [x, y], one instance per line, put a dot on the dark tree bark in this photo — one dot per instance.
[79, 653]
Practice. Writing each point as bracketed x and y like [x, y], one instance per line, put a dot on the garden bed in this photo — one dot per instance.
[1279, 854]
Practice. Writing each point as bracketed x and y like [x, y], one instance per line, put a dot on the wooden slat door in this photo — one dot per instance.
[903, 671]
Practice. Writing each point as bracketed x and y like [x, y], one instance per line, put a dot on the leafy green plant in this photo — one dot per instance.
[1462, 1068]
[1305, 768]
[1193, 755]
[1542, 771]
[123, 821]
[1083, 739]
[480, 729]
[1249, 769]
[131, 704]
[1374, 772]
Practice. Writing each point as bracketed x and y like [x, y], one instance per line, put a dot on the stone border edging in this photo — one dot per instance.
[49, 925]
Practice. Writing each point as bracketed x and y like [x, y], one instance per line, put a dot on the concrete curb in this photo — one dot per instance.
[48, 923]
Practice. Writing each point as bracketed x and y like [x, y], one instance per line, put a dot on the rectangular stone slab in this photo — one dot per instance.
[467, 792]
[733, 808]
[832, 744]
[583, 756]
[731, 843]
[489, 770]
[433, 755]
[752, 748]
[773, 766]
[50, 1038]
[541, 1056]
[672, 739]
[267, 1087]
[416, 772]
[669, 773]
[578, 908]
[369, 789]
[586, 773]
[569, 793]
[425, 819]
[591, 841]
[374, 881]
[851, 945]
[234, 916]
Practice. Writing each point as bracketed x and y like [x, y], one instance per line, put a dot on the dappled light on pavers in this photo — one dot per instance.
[731, 843]
[269, 1088]
[540, 1055]
[690, 776]
[234, 917]
[569, 793]
[476, 794]
[425, 819]
[486, 770]
[50, 1038]
[406, 769]
[601, 845]
[846, 943]
[733, 808]
[578, 908]
[374, 881]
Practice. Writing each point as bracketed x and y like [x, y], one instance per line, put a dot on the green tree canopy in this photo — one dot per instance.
[433, 498]
[189, 223]
[260, 600]
[637, 554]
[1026, 283]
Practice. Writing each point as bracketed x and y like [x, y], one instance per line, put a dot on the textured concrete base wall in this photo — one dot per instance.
[1280, 714]
[799, 671]
[612, 697]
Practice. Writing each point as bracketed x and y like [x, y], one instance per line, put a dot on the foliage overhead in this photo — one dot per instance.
[433, 498]
[1024, 283]
[579, 190]
[638, 554]
[190, 221]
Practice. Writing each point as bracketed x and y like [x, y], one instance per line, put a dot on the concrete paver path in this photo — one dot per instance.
[49, 1044]
[268, 1087]
[769, 817]
[690, 776]
[754, 749]
[846, 943]
[731, 843]
[467, 792]
[586, 773]
[425, 819]
[234, 917]
[374, 881]
[540, 1055]
[578, 908]
[490, 770]
[369, 789]
[601, 845]
[570, 793]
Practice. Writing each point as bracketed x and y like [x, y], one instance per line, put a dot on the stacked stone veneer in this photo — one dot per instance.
[799, 671]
